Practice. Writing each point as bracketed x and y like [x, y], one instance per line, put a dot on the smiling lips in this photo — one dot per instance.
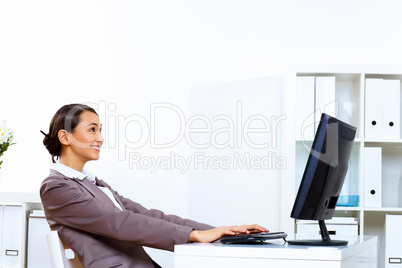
[96, 148]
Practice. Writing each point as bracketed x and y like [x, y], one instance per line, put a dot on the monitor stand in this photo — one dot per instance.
[325, 241]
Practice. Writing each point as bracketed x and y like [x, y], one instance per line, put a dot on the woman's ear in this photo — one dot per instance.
[62, 135]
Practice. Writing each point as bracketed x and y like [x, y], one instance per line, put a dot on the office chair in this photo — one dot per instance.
[61, 256]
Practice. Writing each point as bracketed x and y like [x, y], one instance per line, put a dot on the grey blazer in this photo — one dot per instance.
[101, 234]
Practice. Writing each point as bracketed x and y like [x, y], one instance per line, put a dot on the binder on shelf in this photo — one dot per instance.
[391, 109]
[12, 241]
[372, 177]
[393, 238]
[324, 97]
[37, 255]
[373, 109]
[1, 233]
[305, 108]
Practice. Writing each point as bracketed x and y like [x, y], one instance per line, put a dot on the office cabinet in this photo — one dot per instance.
[393, 238]
[369, 98]
[11, 236]
[37, 252]
[1, 234]
[13, 227]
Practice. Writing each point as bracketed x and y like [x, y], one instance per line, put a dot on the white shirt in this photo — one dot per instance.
[74, 174]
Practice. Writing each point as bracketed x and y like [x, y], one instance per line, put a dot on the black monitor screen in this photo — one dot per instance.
[325, 172]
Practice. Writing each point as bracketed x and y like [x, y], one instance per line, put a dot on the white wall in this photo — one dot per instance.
[124, 56]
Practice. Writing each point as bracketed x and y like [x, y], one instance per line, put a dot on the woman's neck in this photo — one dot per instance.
[77, 165]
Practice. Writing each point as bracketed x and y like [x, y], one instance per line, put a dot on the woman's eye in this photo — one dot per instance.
[92, 129]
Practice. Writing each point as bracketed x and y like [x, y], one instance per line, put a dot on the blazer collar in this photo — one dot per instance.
[88, 184]
[72, 173]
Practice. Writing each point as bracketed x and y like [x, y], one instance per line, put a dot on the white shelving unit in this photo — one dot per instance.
[13, 227]
[350, 98]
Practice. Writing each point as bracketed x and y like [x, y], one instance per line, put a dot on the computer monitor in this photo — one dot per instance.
[323, 177]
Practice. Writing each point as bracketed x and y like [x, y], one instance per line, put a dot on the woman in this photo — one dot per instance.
[104, 228]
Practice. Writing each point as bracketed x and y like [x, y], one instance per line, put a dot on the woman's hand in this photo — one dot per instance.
[217, 233]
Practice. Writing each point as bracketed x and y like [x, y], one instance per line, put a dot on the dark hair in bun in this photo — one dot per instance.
[67, 118]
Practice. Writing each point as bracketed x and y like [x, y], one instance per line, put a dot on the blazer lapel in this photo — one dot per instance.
[102, 184]
[94, 190]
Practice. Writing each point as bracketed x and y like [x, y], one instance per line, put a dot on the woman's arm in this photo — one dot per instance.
[138, 208]
[201, 233]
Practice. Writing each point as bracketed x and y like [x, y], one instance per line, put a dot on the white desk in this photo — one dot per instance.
[360, 252]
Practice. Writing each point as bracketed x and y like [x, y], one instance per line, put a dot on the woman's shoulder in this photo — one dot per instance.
[59, 188]
[55, 177]
[56, 180]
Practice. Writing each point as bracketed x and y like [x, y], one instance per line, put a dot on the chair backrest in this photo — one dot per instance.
[61, 256]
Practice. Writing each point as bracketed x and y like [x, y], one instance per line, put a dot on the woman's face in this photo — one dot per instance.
[86, 138]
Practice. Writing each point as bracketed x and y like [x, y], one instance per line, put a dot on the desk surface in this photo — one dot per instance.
[278, 249]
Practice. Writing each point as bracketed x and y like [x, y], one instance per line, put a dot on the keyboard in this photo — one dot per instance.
[253, 237]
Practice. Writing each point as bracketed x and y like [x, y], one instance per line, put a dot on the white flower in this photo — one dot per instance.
[6, 138]
[3, 133]
[6, 134]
